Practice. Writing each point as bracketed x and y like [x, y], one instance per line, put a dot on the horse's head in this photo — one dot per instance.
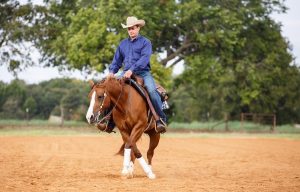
[99, 103]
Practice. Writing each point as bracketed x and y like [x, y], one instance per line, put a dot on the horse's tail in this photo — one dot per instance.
[121, 150]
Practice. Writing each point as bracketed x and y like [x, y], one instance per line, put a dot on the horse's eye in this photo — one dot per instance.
[101, 97]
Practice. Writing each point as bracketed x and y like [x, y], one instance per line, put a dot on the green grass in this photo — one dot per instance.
[40, 123]
[89, 131]
[194, 129]
[47, 131]
[233, 135]
[233, 126]
[43, 127]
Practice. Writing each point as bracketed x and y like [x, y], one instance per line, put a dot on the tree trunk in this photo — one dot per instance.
[226, 122]
[62, 115]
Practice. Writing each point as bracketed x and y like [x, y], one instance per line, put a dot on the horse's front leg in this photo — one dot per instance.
[128, 166]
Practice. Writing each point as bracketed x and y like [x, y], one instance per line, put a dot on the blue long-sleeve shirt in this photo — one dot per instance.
[135, 55]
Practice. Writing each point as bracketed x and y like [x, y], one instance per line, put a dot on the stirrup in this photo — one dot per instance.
[163, 128]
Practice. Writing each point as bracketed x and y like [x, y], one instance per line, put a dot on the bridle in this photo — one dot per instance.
[98, 121]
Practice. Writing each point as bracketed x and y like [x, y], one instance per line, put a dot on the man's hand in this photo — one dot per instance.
[128, 74]
[110, 75]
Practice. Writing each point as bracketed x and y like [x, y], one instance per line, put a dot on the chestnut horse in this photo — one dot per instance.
[130, 113]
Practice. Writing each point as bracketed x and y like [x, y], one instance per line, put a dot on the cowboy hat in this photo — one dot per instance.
[132, 21]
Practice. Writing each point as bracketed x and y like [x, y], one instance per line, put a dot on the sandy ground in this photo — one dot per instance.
[88, 163]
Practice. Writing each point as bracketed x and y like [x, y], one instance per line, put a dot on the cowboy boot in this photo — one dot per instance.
[101, 126]
[160, 126]
[110, 126]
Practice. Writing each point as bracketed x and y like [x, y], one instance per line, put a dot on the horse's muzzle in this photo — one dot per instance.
[98, 117]
[92, 118]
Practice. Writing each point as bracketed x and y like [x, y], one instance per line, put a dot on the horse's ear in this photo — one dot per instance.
[91, 82]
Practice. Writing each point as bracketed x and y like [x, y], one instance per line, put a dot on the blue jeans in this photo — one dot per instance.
[153, 94]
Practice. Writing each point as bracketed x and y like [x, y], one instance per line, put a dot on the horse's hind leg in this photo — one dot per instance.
[154, 140]
[121, 150]
[147, 168]
[131, 144]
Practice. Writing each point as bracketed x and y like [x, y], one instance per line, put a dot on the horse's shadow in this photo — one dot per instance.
[117, 176]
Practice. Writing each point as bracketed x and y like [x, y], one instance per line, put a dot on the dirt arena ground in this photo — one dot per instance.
[88, 163]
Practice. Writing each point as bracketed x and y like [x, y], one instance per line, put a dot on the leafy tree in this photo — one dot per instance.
[11, 109]
[236, 59]
[44, 102]
[29, 106]
[247, 71]
[15, 34]
[15, 96]
[3, 93]
[73, 100]
[85, 37]
[66, 95]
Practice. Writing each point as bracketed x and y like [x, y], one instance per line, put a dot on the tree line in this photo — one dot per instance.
[235, 57]
[67, 97]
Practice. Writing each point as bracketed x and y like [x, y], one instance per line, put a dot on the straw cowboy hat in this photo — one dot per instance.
[132, 21]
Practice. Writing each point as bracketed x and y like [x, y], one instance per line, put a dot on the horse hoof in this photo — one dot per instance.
[151, 175]
[127, 174]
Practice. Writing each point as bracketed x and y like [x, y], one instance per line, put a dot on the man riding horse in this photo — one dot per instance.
[134, 52]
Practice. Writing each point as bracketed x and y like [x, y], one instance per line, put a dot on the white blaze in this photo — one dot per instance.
[91, 107]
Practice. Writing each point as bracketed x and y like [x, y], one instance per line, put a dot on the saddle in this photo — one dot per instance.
[138, 84]
[160, 89]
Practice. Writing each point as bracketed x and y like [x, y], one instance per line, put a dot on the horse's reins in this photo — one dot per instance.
[129, 104]
[109, 113]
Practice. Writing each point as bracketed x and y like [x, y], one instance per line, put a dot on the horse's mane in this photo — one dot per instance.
[97, 83]
[104, 79]
[101, 81]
